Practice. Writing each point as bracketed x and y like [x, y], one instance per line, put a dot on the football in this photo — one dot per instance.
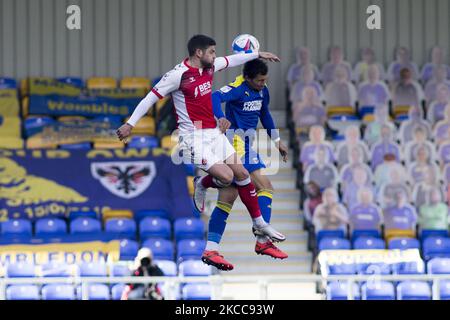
[245, 43]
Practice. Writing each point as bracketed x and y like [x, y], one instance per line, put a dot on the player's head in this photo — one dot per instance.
[256, 74]
[203, 48]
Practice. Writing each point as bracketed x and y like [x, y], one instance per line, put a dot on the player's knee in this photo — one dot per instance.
[241, 174]
[226, 177]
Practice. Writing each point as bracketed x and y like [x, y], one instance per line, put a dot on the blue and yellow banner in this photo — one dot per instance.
[50, 96]
[42, 183]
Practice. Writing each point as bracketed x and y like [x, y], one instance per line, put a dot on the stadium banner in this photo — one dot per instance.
[43, 183]
[50, 96]
[75, 131]
[69, 253]
[337, 257]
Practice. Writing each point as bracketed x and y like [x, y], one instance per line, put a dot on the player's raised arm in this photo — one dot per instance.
[238, 59]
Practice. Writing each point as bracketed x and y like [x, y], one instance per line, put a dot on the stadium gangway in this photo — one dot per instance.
[216, 281]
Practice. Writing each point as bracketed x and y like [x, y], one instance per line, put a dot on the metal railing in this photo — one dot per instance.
[216, 282]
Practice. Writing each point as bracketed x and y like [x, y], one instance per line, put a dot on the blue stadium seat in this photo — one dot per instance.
[142, 142]
[58, 269]
[34, 124]
[8, 83]
[438, 266]
[76, 146]
[120, 270]
[433, 247]
[433, 233]
[408, 268]
[168, 267]
[329, 234]
[82, 214]
[363, 110]
[85, 226]
[93, 269]
[152, 227]
[74, 81]
[190, 250]
[378, 290]
[58, 292]
[189, 228]
[121, 228]
[343, 268]
[368, 243]
[445, 290]
[95, 291]
[334, 244]
[337, 290]
[162, 249]
[116, 291]
[196, 291]
[365, 233]
[53, 227]
[128, 249]
[141, 214]
[21, 270]
[22, 292]
[16, 227]
[194, 268]
[404, 243]
[413, 290]
[374, 268]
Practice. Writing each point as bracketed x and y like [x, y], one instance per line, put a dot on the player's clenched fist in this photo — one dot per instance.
[124, 131]
[224, 124]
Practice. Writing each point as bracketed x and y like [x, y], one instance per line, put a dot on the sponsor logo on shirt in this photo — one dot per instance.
[252, 105]
[203, 89]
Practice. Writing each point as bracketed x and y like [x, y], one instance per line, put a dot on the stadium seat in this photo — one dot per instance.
[141, 214]
[378, 290]
[85, 226]
[368, 243]
[433, 247]
[120, 270]
[329, 234]
[398, 233]
[404, 244]
[8, 83]
[343, 268]
[152, 227]
[52, 227]
[135, 83]
[193, 268]
[190, 250]
[121, 228]
[338, 290]
[162, 249]
[110, 144]
[128, 249]
[16, 227]
[22, 292]
[433, 233]
[445, 290]
[374, 268]
[340, 110]
[58, 269]
[93, 269]
[438, 266]
[76, 146]
[58, 292]
[141, 142]
[365, 110]
[71, 118]
[168, 142]
[82, 214]
[408, 268]
[189, 228]
[116, 213]
[145, 126]
[196, 291]
[101, 83]
[95, 291]
[168, 267]
[413, 290]
[114, 120]
[334, 244]
[21, 270]
[365, 233]
[34, 124]
[116, 291]
[74, 81]
[400, 110]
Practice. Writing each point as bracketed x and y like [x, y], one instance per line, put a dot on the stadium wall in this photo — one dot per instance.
[147, 37]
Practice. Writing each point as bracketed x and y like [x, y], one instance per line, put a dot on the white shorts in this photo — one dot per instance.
[204, 148]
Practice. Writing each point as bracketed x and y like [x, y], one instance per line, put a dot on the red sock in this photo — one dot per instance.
[209, 182]
[248, 196]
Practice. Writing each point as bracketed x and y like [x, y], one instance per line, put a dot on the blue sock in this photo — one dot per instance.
[265, 203]
[217, 222]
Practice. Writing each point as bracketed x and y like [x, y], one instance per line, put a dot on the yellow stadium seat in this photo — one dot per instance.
[117, 213]
[25, 106]
[299, 130]
[101, 83]
[11, 143]
[398, 110]
[168, 142]
[397, 233]
[24, 87]
[190, 184]
[108, 144]
[145, 126]
[338, 110]
[135, 83]
[36, 142]
[71, 118]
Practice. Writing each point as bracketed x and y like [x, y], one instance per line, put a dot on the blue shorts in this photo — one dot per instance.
[250, 158]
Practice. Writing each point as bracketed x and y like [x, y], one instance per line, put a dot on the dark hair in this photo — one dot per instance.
[255, 67]
[199, 41]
